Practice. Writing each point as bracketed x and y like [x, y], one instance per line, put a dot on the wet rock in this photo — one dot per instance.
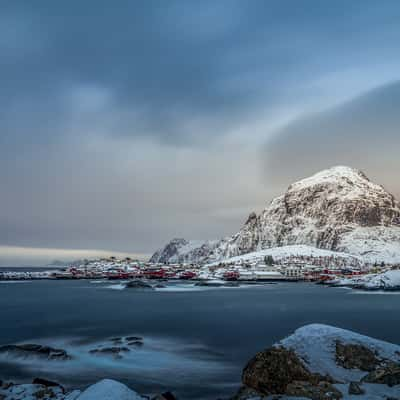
[138, 284]
[209, 283]
[165, 396]
[47, 383]
[44, 393]
[134, 338]
[246, 393]
[136, 343]
[388, 374]
[272, 370]
[37, 350]
[323, 390]
[355, 356]
[355, 389]
[114, 351]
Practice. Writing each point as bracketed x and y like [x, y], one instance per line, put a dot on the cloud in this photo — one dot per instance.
[362, 133]
[29, 256]
[122, 126]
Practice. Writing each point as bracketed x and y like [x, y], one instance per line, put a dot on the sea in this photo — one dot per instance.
[196, 340]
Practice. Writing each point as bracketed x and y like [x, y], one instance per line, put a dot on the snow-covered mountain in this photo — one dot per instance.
[337, 209]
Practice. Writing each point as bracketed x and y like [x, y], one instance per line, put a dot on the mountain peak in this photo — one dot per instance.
[336, 209]
[334, 174]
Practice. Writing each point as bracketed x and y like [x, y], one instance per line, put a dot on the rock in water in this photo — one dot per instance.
[35, 350]
[138, 284]
[337, 209]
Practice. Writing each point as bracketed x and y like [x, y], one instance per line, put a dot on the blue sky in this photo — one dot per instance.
[123, 125]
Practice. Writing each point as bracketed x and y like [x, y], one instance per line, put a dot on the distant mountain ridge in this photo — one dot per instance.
[337, 209]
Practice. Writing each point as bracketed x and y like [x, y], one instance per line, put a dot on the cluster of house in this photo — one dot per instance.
[289, 268]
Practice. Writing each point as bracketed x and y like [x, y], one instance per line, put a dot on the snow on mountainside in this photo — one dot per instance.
[184, 251]
[281, 253]
[337, 209]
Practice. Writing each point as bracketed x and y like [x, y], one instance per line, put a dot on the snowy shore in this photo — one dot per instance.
[387, 281]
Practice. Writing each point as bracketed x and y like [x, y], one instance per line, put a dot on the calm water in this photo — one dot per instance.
[196, 342]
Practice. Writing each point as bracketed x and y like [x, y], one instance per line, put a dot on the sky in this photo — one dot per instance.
[126, 124]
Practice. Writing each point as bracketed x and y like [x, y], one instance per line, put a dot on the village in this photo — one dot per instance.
[290, 268]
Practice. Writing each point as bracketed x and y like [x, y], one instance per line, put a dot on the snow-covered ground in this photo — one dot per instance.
[279, 253]
[389, 280]
[105, 389]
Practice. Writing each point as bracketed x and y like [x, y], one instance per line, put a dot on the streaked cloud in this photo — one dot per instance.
[117, 123]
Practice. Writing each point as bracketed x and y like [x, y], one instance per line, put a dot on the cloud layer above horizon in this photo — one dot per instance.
[122, 126]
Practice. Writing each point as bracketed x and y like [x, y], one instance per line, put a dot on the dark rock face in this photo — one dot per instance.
[321, 391]
[355, 389]
[272, 370]
[355, 356]
[36, 350]
[47, 383]
[165, 396]
[134, 338]
[114, 351]
[388, 374]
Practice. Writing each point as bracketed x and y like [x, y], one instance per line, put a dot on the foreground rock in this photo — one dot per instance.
[105, 389]
[320, 362]
[35, 350]
[108, 389]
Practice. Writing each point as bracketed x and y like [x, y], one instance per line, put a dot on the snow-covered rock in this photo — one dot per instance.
[323, 362]
[108, 389]
[183, 251]
[315, 344]
[389, 280]
[337, 209]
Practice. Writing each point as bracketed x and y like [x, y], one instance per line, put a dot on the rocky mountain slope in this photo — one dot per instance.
[337, 209]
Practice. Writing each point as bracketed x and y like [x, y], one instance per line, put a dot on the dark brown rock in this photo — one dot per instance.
[388, 374]
[355, 389]
[355, 356]
[322, 391]
[272, 370]
[165, 396]
[47, 383]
